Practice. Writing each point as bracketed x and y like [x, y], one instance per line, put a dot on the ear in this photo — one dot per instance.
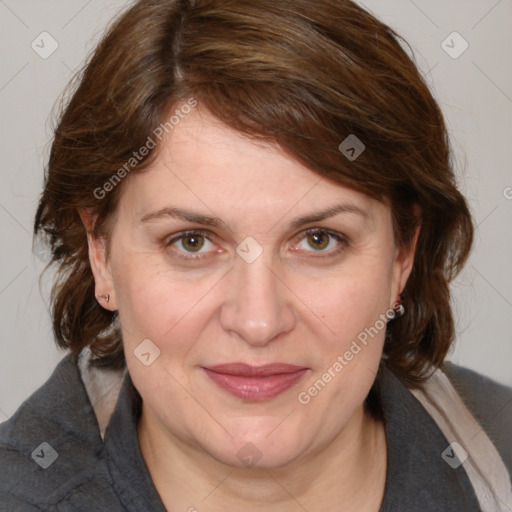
[404, 261]
[98, 259]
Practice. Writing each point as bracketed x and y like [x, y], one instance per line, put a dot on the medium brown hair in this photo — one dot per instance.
[302, 74]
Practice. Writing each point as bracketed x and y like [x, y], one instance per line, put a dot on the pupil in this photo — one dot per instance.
[319, 240]
[193, 242]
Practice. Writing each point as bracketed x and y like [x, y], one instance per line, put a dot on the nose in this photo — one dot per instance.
[258, 307]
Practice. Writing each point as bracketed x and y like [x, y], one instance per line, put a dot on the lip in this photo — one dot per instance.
[256, 383]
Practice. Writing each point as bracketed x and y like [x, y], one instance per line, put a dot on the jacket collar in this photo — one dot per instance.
[129, 472]
[61, 414]
[421, 479]
[417, 479]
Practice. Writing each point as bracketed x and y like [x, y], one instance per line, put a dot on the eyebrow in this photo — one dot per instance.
[332, 211]
[206, 220]
[180, 213]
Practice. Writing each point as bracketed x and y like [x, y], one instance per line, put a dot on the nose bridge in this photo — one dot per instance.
[258, 307]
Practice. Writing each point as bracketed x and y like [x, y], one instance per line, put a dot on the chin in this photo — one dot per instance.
[263, 446]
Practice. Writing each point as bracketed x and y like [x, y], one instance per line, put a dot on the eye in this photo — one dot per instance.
[190, 243]
[322, 241]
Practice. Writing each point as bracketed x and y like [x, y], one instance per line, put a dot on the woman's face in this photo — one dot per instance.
[228, 252]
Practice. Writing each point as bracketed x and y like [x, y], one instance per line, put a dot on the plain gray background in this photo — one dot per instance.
[474, 90]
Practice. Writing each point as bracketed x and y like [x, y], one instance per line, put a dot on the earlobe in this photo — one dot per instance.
[97, 248]
[407, 259]
[404, 261]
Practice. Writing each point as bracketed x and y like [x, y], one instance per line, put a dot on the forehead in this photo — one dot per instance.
[202, 144]
[207, 164]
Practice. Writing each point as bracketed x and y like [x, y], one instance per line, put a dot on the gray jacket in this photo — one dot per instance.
[53, 458]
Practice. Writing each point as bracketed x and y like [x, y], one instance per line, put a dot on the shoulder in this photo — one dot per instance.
[489, 402]
[51, 448]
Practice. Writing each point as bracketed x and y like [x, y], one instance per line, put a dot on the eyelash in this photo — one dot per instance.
[182, 236]
[341, 239]
[191, 256]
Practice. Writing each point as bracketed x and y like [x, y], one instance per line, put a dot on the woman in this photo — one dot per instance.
[255, 223]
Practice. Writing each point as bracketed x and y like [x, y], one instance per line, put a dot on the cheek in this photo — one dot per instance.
[352, 307]
[347, 358]
[157, 303]
[349, 302]
[169, 312]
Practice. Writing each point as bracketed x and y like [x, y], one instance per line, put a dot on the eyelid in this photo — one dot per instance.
[339, 237]
[183, 234]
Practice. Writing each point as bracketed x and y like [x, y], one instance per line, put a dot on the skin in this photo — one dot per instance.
[302, 301]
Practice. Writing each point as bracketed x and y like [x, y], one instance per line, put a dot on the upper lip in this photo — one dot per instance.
[246, 370]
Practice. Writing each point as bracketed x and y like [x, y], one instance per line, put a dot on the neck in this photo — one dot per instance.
[347, 474]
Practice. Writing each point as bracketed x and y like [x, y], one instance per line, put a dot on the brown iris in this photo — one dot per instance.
[192, 243]
[318, 241]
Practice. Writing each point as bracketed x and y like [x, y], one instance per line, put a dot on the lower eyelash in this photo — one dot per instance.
[191, 256]
[339, 238]
[187, 255]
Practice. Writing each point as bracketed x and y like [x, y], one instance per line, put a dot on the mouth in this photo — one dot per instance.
[255, 383]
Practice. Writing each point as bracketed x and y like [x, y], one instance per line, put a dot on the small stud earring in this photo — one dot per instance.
[398, 309]
[105, 296]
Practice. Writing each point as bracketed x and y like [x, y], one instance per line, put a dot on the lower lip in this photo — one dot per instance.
[256, 388]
